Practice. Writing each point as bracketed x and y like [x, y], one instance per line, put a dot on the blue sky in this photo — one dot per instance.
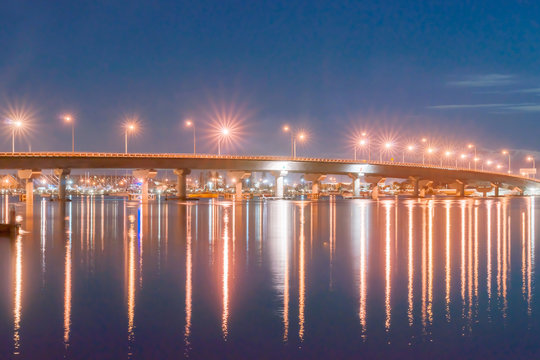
[464, 71]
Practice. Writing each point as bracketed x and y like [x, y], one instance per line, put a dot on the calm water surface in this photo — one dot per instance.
[109, 278]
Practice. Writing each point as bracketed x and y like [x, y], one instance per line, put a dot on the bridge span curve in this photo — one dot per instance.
[373, 171]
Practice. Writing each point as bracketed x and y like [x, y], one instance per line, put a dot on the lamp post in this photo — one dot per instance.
[472, 146]
[424, 141]
[530, 158]
[365, 141]
[429, 152]
[409, 148]
[387, 147]
[287, 128]
[224, 132]
[190, 123]
[130, 127]
[15, 125]
[506, 152]
[69, 120]
[300, 137]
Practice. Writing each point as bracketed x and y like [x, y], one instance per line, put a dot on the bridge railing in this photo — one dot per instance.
[245, 157]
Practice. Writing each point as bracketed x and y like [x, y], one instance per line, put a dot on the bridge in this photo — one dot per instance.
[30, 164]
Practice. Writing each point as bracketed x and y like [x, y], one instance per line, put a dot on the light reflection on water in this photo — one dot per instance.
[210, 279]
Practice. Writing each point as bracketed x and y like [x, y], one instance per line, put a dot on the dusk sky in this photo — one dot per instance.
[462, 72]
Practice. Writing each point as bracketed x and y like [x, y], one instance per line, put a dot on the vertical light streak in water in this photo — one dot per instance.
[102, 223]
[332, 205]
[17, 304]
[523, 256]
[469, 261]
[410, 266]
[423, 267]
[225, 313]
[189, 268]
[140, 219]
[282, 228]
[362, 313]
[430, 263]
[476, 255]
[488, 253]
[43, 233]
[462, 265]
[499, 249]
[302, 276]
[388, 267]
[448, 270]
[530, 255]
[131, 288]
[67, 281]
[504, 257]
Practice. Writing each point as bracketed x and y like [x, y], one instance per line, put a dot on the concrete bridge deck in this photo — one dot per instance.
[279, 166]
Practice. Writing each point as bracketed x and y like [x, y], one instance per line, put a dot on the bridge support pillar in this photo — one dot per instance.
[181, 188]
[355, 184]
[415, 180]
[375, 181]
[484, 190]
[237, 177]
[460, 188]
[62, 179]
[29, 175]
[144, 175]
[496, 187]
[280, 178]
[315, 183]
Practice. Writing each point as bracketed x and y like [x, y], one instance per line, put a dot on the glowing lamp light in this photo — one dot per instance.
[463, 156]
[410, 147]
[286, 128]
[430, 150]
[388, 145]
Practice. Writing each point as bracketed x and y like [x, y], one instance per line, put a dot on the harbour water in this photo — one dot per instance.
[395, 278]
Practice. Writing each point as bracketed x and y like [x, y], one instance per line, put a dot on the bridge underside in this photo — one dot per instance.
[420, 176]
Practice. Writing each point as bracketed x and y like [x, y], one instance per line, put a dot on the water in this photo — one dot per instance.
[108, 278]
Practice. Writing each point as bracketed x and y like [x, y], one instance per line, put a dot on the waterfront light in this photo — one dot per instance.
[190, 123]
[69, 119]
[530, 158]
[506, 152]
[224, 133]
[472, 146]
[130, 127]
[16, 126]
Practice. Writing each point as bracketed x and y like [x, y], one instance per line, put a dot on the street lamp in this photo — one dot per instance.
[506, 152]
[463, 157]
[223, 133]
[130, 127]
[287, 128]
[300, 137]
[70, 120]
[15, 125]
[429, 152]
[190, 123]
[410, 148]
[472, 146]
[447, 153]
[424, 141]
[387, 147]
[530, 158]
